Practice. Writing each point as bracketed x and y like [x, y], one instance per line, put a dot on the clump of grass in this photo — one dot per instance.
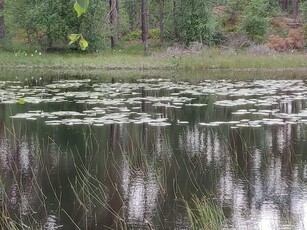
[204, 213]
[5, 221]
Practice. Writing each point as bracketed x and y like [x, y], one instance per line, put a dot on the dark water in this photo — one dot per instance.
[91, 155]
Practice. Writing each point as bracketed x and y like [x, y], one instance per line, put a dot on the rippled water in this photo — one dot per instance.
[91, 155]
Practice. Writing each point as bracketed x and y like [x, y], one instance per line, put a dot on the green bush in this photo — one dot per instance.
[48, 23]
[303, 11]
[196, 22]
[134, 35]
[154, 33]
[256, 19]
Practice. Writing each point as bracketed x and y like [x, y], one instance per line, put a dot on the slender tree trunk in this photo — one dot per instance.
[161, 20]
[134, 16]
[295, 4]
[114, 8]
[144, 17]
[175, 11]
[2, 32]
[285, 4]
[131, 15]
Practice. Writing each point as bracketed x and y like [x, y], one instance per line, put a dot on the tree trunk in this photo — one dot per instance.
[284, 4]
[175, 12]
[2, 32]
[144, 17]
[114, 8]
[134, 17]
[161, 20]
[295, 6]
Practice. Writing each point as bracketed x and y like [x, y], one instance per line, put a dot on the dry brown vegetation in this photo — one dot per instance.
[294, 40]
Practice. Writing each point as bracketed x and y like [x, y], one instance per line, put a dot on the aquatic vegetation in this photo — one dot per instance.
[204, 213]
[126, 155]
[109, 103]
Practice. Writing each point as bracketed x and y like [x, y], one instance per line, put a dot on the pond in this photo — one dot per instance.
[153, 154]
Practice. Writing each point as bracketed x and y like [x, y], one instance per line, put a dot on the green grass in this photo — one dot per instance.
[132, 58]
[129, 62]
[204, 213]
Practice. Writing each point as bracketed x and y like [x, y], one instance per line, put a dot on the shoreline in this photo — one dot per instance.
[196, 66]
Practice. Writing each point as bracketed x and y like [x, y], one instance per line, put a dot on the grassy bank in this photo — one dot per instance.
[209, 59]
[210, 62]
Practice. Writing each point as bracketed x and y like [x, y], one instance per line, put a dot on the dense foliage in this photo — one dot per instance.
[256, 19]
[48, 23]
[195, 21]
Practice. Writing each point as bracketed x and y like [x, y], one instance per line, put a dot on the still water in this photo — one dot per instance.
[85, 154]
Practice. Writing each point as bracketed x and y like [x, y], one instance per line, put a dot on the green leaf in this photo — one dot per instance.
[83, 44]
[81, 6]
[21, 101]
[73, 38]
[83, 3]
[79, 9]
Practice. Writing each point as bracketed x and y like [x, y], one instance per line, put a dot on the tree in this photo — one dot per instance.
[285, 4]
[161, 20]
[2, 33]
[295, 4]
[47, 23]
[133, 11]
[195, 21]
[114, 12]
[144, 17]
[256, 19]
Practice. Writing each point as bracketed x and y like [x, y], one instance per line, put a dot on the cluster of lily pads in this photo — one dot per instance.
[269, 102]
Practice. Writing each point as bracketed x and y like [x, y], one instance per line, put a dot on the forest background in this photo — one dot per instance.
[157, 27]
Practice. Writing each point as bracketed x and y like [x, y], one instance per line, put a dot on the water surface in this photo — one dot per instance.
[88, 154]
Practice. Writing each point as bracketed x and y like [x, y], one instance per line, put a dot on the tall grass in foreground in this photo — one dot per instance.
[6, 222]
[204, 213]
[95, 184]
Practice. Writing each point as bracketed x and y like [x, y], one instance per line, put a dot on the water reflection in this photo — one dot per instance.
[126, 172]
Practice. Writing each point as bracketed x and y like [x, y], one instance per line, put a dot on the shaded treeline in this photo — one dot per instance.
[110, 23]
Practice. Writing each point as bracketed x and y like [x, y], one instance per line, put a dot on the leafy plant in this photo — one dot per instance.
[303, 11]
[78, 38]
[134, 35]
[256, 19]
[195, 21]
[81, 6]
[154, 33]
[48, 23]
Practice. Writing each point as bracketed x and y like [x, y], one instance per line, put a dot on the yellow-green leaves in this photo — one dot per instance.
[83, 43]
[81, 6]
[73, 38]
[78, 38]
[21, 101]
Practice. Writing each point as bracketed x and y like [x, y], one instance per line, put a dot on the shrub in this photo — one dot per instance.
[134, 35]
[303, 11]
[256, 19]
[154, 33]
[294, 40]
[48, 23]
[196, 22]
